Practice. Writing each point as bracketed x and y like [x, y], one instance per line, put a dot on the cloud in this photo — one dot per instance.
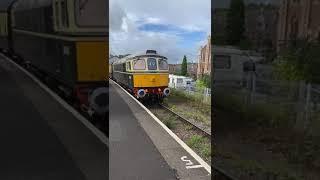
[173, 28]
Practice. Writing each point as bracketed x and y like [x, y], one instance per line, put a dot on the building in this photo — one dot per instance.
[261, 26]
[204, 61]
[219, 21]
[298, 19]
[191, 69]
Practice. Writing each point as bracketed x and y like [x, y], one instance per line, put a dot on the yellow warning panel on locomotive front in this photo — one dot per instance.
[151, 80]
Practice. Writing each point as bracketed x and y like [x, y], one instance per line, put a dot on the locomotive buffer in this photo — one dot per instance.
[39, 138]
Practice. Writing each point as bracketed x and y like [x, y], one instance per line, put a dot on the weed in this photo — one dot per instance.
[170, 122]
[195, 141]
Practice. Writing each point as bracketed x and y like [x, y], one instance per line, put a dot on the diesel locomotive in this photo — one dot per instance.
[144, 75]
[66, 41]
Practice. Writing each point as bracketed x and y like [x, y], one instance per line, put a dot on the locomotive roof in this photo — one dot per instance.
[138, 55]
[4, 4]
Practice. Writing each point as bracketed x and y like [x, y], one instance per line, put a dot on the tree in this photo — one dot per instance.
[184, 66]
[235, 22]
[300, 61]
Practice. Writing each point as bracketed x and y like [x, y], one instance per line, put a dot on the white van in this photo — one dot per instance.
[230, 64]
[181, 82]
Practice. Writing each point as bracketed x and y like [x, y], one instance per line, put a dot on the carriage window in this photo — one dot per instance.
[139, 64]
[163, 65]
[179, 80]
[152, 64]
[221, 62]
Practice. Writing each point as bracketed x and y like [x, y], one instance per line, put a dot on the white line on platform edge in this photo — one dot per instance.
[93, 129]
[173, 135]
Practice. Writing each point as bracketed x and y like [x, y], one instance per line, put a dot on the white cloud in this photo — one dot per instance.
[127, 15]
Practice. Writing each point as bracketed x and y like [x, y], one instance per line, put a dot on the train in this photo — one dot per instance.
[66, 41]
[145, 75]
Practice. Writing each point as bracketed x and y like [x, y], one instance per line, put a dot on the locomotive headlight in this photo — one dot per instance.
[166, 91]
[99, 100]
[141, 93]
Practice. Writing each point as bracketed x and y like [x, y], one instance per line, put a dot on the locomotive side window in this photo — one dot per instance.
[139, 64]
[152, 64]
[64, 13]
[57, 13]
[91, 13]
[128, 66]
[3, 24]
[163, 65]
[222, 62]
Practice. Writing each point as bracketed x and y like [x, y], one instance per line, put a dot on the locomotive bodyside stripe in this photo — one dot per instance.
[60, 37]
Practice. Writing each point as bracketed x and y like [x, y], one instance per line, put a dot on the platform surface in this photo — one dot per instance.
[140, 148]
[39, 138]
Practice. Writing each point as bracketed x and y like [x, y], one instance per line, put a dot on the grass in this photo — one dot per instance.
[170, 122]
[188, 107]
[199, 143]
[267, 113]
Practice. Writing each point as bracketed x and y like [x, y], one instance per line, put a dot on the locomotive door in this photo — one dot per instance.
[130, 76]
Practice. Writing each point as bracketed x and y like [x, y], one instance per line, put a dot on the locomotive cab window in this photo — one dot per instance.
[152, 64]
[139, 64]
[163, 65]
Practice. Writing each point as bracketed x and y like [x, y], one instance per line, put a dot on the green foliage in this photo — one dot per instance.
[235, 22]
[199, 143]
[195, 141]
[300, 61]
[204, 82]
[184, 66]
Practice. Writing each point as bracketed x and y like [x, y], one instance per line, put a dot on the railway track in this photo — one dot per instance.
[218, 173]
[203, 131]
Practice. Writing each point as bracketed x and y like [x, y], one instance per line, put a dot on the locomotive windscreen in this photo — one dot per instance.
[91, 13]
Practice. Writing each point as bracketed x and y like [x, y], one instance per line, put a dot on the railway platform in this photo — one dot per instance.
[41, 139]
[141, 148]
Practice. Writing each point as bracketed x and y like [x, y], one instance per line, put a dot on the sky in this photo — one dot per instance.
[172, 27]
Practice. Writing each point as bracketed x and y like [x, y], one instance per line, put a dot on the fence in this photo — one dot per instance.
[293, 103]
[202, 94]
